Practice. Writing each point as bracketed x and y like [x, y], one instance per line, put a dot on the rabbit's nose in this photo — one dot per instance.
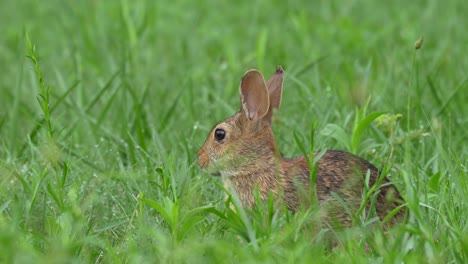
[202, 158]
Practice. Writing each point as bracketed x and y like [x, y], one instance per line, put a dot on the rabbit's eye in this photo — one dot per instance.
[219, 134]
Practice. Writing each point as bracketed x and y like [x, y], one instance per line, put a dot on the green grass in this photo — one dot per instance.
[104, 105]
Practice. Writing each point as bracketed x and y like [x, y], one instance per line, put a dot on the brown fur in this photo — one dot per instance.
[248, 158]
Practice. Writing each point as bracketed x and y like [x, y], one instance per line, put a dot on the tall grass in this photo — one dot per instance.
[104, 105]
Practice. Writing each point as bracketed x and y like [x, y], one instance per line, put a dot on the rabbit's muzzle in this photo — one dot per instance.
[203, 159]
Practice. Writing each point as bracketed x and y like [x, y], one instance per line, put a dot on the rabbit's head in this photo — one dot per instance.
[244, 142]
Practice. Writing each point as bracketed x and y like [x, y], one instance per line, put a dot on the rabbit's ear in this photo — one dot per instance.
[254, 95]
[275, 91]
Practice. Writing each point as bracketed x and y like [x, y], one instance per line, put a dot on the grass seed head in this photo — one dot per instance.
[418, 44]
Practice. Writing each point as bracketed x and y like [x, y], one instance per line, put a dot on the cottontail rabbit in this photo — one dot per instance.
[242, 150]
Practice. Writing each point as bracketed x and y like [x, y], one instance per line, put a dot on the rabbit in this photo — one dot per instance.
[242, 150]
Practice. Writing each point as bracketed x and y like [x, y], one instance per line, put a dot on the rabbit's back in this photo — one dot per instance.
[343, 174]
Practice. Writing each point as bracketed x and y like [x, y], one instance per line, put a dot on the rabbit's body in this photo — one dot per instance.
[243, 151]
